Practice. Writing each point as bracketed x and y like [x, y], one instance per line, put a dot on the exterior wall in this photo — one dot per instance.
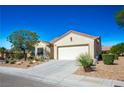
[76, 40]
[47, 50]
[52, 52]
[97, 48]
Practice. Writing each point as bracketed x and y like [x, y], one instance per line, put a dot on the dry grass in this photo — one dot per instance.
[115, 71]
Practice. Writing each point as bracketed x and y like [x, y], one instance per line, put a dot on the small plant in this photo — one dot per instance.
[18, 56]
[30, 62]
[12, 61]
[42, 59]
[31, 58]
[115, 56]
[108, 59]
[36, 59]
[85, 61]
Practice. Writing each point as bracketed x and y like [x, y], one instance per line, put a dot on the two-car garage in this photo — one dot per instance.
[71, 52]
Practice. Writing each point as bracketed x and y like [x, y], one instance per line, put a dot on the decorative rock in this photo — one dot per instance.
[34, 61]
[22, 61]
[19, 63]
[28, 65]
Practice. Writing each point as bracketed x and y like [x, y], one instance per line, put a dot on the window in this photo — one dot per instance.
[71, 39]
[40, 51]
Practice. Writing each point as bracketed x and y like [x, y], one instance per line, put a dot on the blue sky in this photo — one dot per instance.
[52, 21]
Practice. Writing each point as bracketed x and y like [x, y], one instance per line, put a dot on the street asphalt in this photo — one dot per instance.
[7, 80]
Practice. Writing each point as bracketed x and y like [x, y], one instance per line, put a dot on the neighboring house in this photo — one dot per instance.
[105, 49]
[69, 46]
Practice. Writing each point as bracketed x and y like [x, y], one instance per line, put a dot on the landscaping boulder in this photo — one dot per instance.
[19, 63]
[34, 61]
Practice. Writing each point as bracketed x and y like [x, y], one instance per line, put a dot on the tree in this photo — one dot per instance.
[23, 40]
[120, 18]
[118, 49]
[2, 51]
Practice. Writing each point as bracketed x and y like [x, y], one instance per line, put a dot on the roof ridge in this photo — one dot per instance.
[44, 41]
[73, 31]
[84, 33]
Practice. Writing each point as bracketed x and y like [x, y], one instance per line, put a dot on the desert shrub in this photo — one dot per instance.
[18, 55]
[30, 62]
[37, 59]
[108, 59]
[31, 58]
[7, 61]
[85, 60]
[11, 55]
[12, 61]
[42, 58]
[116, 56]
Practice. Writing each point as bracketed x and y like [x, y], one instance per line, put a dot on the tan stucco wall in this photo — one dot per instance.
[76, 40]
[97, 48]
[45, 47]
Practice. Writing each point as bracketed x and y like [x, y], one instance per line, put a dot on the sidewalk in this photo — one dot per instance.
[67, 81]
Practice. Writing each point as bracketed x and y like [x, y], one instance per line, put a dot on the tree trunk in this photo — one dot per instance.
[25, 56]
[87, 69]
[2, 55]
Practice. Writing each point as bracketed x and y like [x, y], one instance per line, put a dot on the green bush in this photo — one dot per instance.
[18, 55]
[117, 49]
[11, 55]
[108, 59]
[85, 60]
[115, 56]
[42, 59]
[11, 61]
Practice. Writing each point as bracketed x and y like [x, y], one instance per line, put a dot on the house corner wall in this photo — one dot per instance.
[97, 48]
[55, 52]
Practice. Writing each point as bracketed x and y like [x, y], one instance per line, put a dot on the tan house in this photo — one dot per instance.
[69, 46]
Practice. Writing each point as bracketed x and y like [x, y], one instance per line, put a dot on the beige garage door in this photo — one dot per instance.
[71, 53]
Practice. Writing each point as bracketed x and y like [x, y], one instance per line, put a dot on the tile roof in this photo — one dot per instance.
[106, 48]
[44, 42]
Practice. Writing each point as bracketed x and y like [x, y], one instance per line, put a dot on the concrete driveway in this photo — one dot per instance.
[56, 70]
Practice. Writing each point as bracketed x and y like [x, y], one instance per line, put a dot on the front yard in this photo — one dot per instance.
[23, 64]
[115, 71]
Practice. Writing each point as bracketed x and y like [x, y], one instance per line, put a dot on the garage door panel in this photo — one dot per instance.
[71, 53]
